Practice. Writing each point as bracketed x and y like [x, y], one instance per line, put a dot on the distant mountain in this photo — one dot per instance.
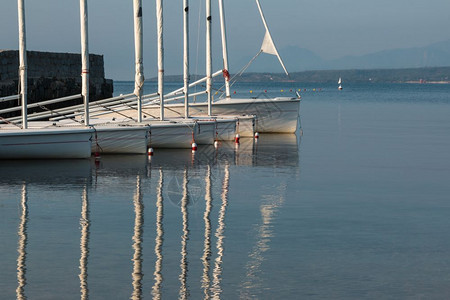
[435, 55]
[300, 59]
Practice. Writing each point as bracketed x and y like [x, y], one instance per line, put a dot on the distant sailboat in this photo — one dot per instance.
[340, 82]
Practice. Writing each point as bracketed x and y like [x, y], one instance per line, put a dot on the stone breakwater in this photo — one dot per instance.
[52, 75]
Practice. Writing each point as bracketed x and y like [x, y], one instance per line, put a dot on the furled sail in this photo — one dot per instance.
[268, 46]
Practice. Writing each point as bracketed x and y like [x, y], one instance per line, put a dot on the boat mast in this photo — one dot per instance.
[224, 49]
[208, 56]
[138, 49]
[159, 25]
[23, 63]
[186, 56]
[84, 59]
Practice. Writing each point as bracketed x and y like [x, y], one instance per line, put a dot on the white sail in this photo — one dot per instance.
[159, 18]
[84, 59]
[23, 62]
[208, 57]
[223, 32]
[186, 56]
[268, 46]
[340, 80]
[139, 75]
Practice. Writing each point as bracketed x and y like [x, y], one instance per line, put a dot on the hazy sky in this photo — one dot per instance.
[330, 28]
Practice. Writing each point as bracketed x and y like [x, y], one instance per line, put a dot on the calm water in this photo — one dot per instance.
[356, 208]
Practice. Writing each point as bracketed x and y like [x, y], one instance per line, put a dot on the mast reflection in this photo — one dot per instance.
[206, 282]
[22, 245]
[216, 289]
[184, 292]
[137, 239]
[156, 290]
[84, 245]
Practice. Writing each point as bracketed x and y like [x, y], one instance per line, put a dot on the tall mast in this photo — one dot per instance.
[159, 25]
[186, 56]
[208, 56]
[138, 49]
[23, 63]
[84, 59]
[224, 48]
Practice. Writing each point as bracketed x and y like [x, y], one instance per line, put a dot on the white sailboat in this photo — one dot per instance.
[32, 143]
[340, 83]
[278, 114]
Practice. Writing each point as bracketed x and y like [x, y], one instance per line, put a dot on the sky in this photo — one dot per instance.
[330, 28]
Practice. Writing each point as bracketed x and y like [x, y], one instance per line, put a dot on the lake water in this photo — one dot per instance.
[355, 208]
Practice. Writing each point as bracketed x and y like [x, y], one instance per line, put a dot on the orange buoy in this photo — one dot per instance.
[256, 135]
[237, 138]
[194, 146]
[150, 151]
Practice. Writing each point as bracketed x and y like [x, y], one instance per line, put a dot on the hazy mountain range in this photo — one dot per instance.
[300, 59]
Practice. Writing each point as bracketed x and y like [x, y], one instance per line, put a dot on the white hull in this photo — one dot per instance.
[171, 135]
[225, 129]
[205, 132]
[45, 143]
[278, 115]
[118, 139]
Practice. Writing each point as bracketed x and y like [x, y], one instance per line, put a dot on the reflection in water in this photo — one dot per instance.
[217, 273]
[207, 243]
[264, 234]
[184, 292]
[156, 290]
[215, 167]
[84, 244]
[22, 245]
[137, 239]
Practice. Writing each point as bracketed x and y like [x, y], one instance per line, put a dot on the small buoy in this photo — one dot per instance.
[150, 151]
[256, 135]
[234, 92]
[251, 92]
[265, 91]
[194, 146]
[216, 144]
[237, 138]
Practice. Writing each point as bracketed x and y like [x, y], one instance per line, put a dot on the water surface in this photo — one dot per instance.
[355, 208]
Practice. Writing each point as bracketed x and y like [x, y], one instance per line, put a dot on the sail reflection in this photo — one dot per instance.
[84, 245]
[206, 258]
[252, 281]
[156, 290]
[184, 292]
[137, 242]
[216, 288]
[22, 245]
[204, 182]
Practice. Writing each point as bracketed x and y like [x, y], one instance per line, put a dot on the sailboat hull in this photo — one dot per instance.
[45, 143]
[123, 140]
[171, 135]
[278, 115]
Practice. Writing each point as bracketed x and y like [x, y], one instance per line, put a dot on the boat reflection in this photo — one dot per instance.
[84, 245]
[22, 245]
[206, 258]
[156, 290]
[216, 289]
[137, 241]
[204, 183]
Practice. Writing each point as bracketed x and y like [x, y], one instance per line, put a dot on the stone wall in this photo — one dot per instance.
[52, 75]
